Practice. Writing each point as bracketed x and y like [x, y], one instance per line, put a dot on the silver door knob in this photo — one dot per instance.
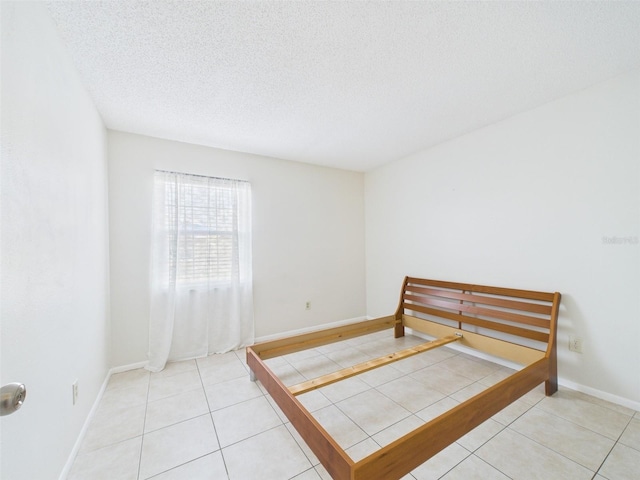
[12, 397]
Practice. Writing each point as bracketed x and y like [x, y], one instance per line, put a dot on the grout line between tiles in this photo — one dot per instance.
[552, 450]
[616, 442]
[144, 424]
[215, 430]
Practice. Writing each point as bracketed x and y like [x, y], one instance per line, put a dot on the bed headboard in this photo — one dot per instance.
[524, 317]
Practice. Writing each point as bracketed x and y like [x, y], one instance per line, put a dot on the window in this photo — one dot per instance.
[200, 284]
[203, 226]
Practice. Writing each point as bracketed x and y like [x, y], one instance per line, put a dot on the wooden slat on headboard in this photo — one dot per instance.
[523, 314]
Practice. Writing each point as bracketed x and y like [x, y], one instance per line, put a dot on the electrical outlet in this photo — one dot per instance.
[74, 391]
[575, 344]
[307, 305]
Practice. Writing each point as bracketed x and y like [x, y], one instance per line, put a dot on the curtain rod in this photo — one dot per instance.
[202, 176]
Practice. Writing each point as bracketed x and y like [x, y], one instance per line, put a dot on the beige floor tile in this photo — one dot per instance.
[313, 400]
[232, 369]
[209, 467]
[322, 472]
[114, 426]
[339, 391]
[287, 374]
[217, 359]
[119, 398]
[535, 396]
[497, 376]
[174, 368]
[314, 367]
[132, 378]
[573, 441]
[275, 361]
[511, 412]
[603, 403]
[115, 462]
[417, 362]
[441, 463]
[271, 455]
[347, 358]
[224, 394]
[631, 435]
[241, 354]
[575, 408]
[440, 354]
[621, 464]
[378, 348]
[372, 411]
[472, 468]
[380, 376]
[302, 354]
[177, 408]
[410, 394]
[473, 369]
[397, 430]
[173, 446]
[442, 380]
[276, 408]
[310, 474]
[523, 459]
[468, 392]
[302, 444]
[338, 346]
[243, 420]
[363, 449]
[480, 435]
[162, 387]
[437, 409]
[343, 430]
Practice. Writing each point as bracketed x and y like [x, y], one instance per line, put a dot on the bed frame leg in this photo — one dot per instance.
[551, 384]
[252, 376]
[398, 330]
[550, 387]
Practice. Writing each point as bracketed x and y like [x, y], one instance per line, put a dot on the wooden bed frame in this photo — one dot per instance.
[516, 325]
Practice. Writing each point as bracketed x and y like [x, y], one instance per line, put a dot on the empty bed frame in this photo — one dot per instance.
[516, 325]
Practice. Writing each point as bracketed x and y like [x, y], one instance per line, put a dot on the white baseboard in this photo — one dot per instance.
[126, 368]
[92, 412]
[83, 431]
[609, 397]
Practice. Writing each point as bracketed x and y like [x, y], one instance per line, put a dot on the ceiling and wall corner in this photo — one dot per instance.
[351, 85]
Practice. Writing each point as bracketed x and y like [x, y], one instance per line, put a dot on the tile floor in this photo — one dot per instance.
[204, 419]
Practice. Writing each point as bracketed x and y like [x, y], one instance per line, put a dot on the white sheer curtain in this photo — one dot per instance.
[201, 281]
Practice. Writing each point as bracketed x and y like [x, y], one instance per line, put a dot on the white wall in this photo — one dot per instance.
[54, 245]
[526, 203]
[308, 236]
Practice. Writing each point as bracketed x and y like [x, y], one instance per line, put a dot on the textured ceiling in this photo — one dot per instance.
[345, 84]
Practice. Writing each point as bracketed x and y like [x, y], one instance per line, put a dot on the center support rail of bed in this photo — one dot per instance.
[516, 325]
